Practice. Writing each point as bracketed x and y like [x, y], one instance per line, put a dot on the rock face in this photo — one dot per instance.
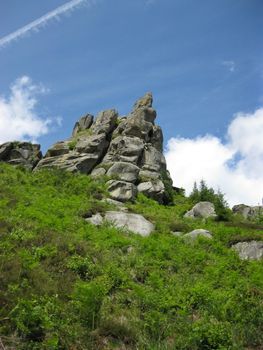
[132, 222]
[252, 250]
[20, 153]
[248, 212]
[127, 149]
[201, 210]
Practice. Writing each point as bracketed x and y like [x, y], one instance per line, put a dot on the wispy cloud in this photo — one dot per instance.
[230, 65]
[43, 20]
[20, 118]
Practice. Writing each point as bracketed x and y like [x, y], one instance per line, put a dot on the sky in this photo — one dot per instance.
[202, 60]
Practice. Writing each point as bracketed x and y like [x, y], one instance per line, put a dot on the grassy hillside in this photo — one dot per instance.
[65, 284]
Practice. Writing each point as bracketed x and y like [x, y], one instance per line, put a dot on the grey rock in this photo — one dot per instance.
[146, 175]
[105, 122]
[124, 149]
[145, 101]
[248, 212]
[177, 234]
[133, 222]
[157, 138]
[136, 125]
[153, 160]
[118, 204]
[154, 189]
[58, 149]
[84, 123]
[201, 210]
[252, 250]
[97, 172]
[20, 153]
[95, 219]
[92, 144]
[122, 191]
[124, 171]
[73, 162]
[198, 233]
[5, 149]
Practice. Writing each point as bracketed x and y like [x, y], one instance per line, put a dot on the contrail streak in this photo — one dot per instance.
[41, 21]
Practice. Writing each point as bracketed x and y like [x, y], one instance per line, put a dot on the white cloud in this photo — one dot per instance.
[236, 167]
[43, 20]
[19, 119]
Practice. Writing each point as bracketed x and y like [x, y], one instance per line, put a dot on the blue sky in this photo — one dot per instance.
[201, 59]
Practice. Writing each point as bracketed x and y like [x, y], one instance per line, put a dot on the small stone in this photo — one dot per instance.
[95, 219]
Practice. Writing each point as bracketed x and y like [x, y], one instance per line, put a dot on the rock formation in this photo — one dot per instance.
[20, 153]
[248, 212]
[128, 150]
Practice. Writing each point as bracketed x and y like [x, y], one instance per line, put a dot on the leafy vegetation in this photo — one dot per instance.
[66, 284]
[204, 193]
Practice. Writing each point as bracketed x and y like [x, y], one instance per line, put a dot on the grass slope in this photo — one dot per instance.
[65, 284]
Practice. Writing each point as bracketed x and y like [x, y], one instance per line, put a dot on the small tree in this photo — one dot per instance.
[205, 193]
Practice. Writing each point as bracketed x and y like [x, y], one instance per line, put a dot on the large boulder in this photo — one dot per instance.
[252, 250]
[124, 171]
[72, 162]
[153, 189]
[202, 210]
[153, 160]
[122, 191]
[132, 222]
[125, 149]
[105, 122]
[248, 212]
[127, 221]
[20, 153]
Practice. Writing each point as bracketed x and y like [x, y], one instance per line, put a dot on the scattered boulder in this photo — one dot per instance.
[248, 212]
[122, 191]
[252, 250]
[201, 210]
[20, 153]
[193, 235]
[133, 222]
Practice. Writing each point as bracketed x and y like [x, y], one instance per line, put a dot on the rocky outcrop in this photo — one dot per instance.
[201, 210]
[128, 150]
[20, 153]
[252, 250]
[249, 213]
[132, 222]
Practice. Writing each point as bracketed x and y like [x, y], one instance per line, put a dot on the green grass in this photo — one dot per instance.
[66, 284]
